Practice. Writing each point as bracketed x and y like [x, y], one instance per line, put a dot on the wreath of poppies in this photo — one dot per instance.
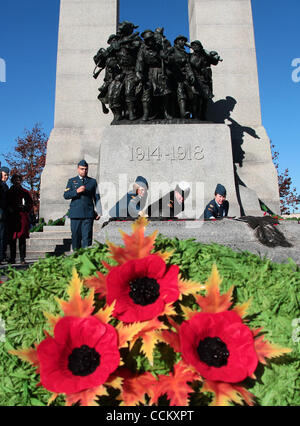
[88, 350]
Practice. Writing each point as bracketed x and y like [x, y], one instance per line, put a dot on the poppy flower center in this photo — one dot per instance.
[83, 361]
[144, 291]
[213, 352]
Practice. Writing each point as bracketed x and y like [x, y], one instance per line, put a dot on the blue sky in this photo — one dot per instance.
[28, 45]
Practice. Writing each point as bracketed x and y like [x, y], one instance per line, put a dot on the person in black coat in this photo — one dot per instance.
[219, 206]
[4, 175]
[85, 206]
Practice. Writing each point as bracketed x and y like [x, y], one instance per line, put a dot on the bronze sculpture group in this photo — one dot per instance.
[146, 78]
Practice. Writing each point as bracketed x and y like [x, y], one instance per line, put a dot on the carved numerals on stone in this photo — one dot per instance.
[172, 153]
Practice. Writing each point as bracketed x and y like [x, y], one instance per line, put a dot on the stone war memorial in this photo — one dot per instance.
[161, 318]
[174, 127]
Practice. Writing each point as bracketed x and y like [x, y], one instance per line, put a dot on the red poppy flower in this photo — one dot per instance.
[219, 346]
[142, 288]
[82, 355]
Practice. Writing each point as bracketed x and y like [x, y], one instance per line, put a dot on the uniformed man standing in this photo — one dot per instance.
[85, 206]
[219, 206]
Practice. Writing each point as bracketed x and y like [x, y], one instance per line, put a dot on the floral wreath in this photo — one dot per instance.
[87, 350]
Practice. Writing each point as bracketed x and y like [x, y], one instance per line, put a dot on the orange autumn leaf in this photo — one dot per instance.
[175, 385]
[242, 310]
[52, 319]
[150, 337]
[97, 283]
[135, 387]
[115, 382]
[187, 287]
[213, 301]
[127, 332]
[171, 338]
[105, 314]
[52, 399]
[188, 312]
[86, 398]
[169, 310]
[265, 349]
[224, 393]
[137, 245]
[77, 306]
[28, 355]
[165, 255]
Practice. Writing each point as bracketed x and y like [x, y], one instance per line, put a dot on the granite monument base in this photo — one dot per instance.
[199, 154]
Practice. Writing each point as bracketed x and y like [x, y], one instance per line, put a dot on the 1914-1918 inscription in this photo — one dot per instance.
[173, 153]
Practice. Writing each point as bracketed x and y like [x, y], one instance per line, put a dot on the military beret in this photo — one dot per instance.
[221, 190]
[141, 181]
[5, 170]
[83, 163]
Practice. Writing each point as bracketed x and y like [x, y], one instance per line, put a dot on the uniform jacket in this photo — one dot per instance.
[129, 206]
[83, 205]
[213, 209]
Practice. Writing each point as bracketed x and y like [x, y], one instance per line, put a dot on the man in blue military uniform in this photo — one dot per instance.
[85, 206]
[219, 206]
[133, 203]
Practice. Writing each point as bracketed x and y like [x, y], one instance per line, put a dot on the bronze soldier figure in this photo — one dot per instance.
[126, 50]
[201, 62]
[183, 74]
[150, 69]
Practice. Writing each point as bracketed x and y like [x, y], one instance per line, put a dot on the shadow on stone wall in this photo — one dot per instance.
[219, 112]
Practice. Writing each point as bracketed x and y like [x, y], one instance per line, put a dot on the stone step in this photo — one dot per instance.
[65, 228]
[48, 242]
[53, 235]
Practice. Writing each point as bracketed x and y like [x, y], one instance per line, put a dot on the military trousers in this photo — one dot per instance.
[3, 240]
[82, 233]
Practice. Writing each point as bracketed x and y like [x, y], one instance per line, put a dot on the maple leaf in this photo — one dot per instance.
[127, 332]
[265, 349]
[169, 310]
[242, 310]
[188, 312]
[150, 337]
[187, 287]
[77, 306]
[224, 393]
[115, 381]
[86, 398]
[97, 283]
[165, 255]
[28, 355]
[175, 385]
[171, 338]
[105, 314]
[213, 301]
[52, 319]
[135, 387]
[137, 245]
